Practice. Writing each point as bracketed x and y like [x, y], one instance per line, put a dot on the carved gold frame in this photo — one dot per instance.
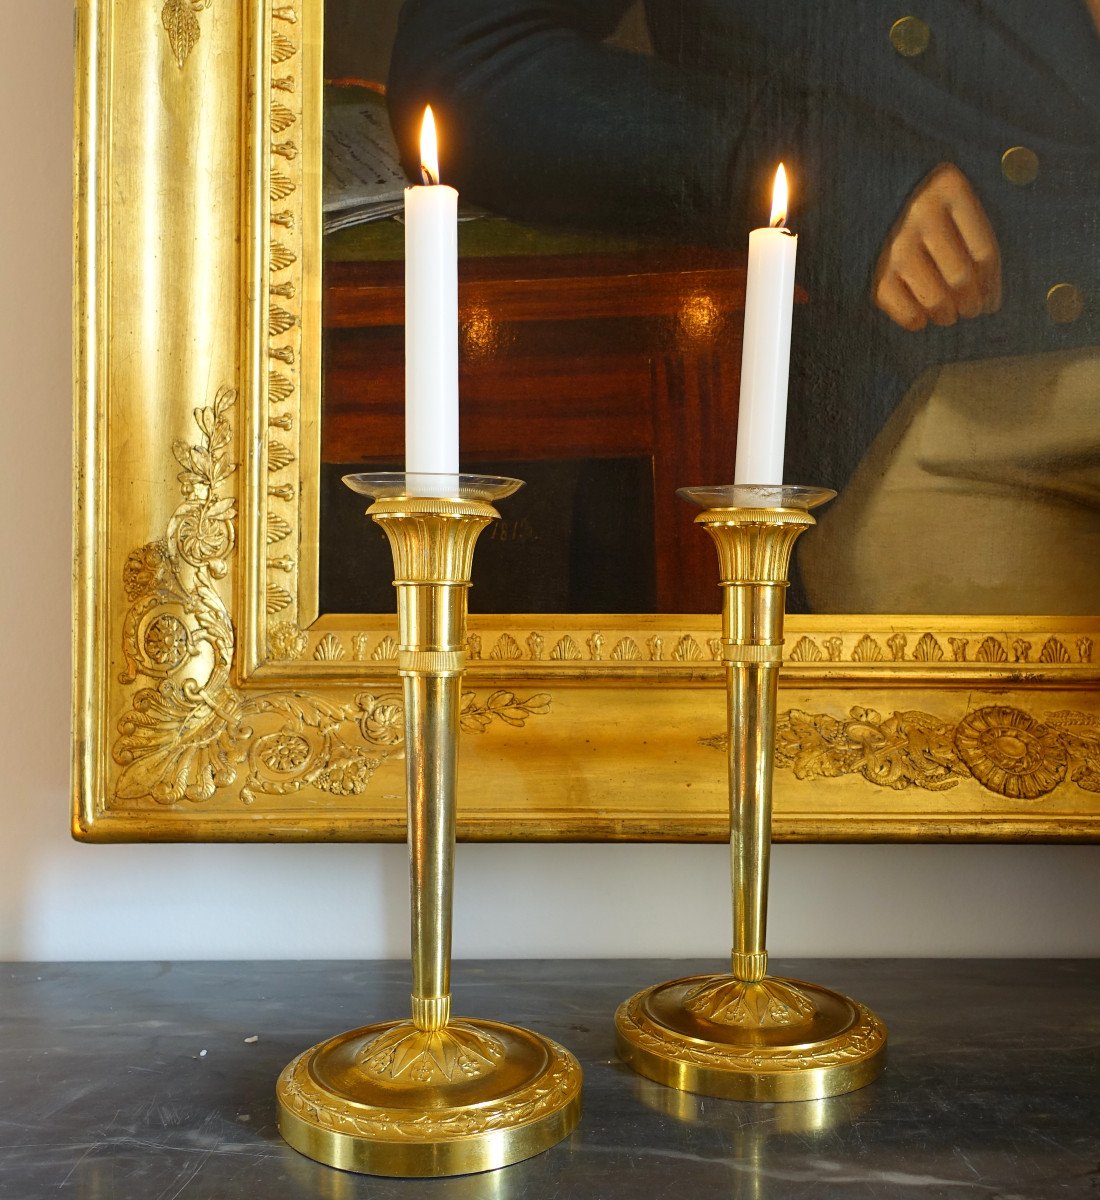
[210, 699]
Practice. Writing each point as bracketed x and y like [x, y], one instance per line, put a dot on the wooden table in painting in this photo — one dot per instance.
[632, 353]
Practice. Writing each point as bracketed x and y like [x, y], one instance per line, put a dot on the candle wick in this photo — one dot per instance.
[426, 176]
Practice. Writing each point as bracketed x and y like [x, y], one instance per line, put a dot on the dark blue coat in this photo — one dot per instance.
[545, 122]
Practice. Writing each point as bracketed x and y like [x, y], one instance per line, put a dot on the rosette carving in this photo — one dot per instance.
[1011, 753]
[1005, 749]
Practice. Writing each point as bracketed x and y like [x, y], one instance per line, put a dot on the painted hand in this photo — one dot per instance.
[941, 260]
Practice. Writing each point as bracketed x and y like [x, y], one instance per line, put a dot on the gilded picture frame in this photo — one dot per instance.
[213, 702]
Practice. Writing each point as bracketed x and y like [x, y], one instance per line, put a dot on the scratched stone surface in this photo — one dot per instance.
[140, 1081]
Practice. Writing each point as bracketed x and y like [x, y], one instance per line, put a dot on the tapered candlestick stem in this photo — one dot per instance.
[431, 712]
[754, 550]
[751, 701]
[433, 545]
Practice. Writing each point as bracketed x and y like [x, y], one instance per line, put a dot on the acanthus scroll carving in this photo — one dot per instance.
[189, 733]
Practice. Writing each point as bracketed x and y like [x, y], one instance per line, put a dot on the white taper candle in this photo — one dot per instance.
[431, 318]
[766, 353]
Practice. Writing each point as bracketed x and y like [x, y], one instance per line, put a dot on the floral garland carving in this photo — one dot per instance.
[866, 1036]
[1008, 751]
[550, 1092]
[190, 733]
[181, 22]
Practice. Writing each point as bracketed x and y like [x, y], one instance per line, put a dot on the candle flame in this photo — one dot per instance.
[429, 148]
[779, 199]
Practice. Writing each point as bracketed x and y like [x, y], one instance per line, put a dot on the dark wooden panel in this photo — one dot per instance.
[563, 357]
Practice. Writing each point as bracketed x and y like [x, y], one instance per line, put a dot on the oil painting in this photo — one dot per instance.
[611, 159]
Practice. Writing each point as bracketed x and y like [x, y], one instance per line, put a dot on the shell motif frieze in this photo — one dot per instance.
[284, 323]
[670, 649]
[928, 648]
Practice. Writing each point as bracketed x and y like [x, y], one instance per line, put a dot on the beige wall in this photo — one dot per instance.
[60, 900]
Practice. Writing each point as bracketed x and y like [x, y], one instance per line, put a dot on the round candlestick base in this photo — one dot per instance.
[393, 1099]
[773, 1039]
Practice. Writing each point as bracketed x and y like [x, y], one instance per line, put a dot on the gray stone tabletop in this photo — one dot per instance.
[146, 1081]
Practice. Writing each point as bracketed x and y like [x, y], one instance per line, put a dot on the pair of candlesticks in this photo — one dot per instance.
[433, 1095]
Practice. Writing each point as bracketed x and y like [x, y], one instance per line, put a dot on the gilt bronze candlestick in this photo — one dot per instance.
[749, 1035]
[431, 1095]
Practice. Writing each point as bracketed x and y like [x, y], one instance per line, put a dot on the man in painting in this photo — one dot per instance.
[947, 370]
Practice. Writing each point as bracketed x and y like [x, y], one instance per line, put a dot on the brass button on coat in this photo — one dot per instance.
[1019, 165]
[910, 36]
[1065, 303]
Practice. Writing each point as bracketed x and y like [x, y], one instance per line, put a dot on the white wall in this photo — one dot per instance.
[61, 900]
